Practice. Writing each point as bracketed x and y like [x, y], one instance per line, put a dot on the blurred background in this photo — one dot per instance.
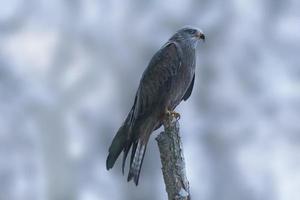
[69, 71]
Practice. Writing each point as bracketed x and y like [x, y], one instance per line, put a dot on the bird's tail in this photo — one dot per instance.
[137, 157]
[120, 142]
[130, 134]
[117, 146]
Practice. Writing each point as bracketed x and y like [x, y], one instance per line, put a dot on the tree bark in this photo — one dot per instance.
[172, 159]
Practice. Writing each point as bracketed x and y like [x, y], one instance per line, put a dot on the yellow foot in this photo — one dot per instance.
[172, 114]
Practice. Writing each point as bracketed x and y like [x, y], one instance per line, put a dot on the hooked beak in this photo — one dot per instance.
[200, 35]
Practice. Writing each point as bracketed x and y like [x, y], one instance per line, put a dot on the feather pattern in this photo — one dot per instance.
[168, 79]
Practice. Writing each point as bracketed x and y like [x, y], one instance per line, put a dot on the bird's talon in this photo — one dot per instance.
[176, 115]
[172, 114]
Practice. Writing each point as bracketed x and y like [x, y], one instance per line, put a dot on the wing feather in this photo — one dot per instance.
[158, 78]
[189, 90]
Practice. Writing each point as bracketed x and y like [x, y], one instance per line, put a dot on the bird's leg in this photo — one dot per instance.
[172, 113]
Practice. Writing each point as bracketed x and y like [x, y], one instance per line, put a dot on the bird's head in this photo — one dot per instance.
[189, 34]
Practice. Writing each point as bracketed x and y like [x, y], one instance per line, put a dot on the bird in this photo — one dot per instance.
[168, 79]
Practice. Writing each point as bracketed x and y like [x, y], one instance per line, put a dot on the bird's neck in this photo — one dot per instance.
[187, 46]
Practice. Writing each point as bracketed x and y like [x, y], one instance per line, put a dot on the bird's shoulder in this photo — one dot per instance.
[171, 51]
[168, 56]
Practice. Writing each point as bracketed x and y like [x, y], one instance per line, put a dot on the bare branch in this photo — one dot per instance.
[172, 159]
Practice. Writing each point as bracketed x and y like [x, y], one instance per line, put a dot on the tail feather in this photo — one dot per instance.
[132, 134]
[135, 144]
[125, 153]
[121, 141]
[137, 157]
[117, 146]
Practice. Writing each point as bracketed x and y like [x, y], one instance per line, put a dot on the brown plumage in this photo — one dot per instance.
[168, 79]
